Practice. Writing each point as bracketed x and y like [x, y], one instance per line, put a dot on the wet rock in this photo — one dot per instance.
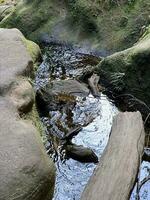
[71, 87]
[59, 92]
[86, 59]
[128, 71]
[80, 153]
[146, 155]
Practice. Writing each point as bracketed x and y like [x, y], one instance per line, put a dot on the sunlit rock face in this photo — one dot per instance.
[25, 170]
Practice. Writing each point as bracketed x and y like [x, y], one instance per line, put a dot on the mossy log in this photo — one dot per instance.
[115, 175]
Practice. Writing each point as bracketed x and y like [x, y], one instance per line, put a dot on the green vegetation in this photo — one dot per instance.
[80, 16]
[32, 17]
[34, 117]
[2, 1]
[111, 25]
[118, 23]
[134, 65]
[33, 49]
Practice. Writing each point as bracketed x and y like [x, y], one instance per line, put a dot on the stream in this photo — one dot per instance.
[73, 174]
[94, 114]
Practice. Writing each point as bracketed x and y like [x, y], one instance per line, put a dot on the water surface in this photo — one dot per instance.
[94, 114]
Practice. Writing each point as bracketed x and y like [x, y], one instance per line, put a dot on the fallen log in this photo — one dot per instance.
[116, 172]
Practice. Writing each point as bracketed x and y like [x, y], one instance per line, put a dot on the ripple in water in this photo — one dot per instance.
[72, 176]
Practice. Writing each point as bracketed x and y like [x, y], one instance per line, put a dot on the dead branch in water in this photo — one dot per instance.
[72, 133]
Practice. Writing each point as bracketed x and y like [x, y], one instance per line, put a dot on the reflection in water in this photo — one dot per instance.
[72, 175]
[94, 114]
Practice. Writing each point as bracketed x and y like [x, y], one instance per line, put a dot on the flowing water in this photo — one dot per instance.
[73, 174]
[145, 189]
[94, 114]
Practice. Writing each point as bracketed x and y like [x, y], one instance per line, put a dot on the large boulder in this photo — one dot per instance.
[128, 72]
[14, 58]
[26, 173]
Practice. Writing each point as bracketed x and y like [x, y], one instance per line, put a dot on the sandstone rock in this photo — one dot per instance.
[26, 173]
[116, 173]
[22, 95]
[93, 84]
[14, 58]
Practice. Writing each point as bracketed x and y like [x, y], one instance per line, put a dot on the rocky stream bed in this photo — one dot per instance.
[77, 119]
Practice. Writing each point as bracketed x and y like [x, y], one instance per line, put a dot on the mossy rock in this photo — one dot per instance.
[33, 49]
[32, 17]
[30, 174]
[134, 64]
[77, 21]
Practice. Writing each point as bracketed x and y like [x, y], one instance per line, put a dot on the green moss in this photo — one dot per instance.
[33, 49]
[34, 117]
[31, 16]
[2, 1]
[109, 26]
[134, 63]
[80, 16]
